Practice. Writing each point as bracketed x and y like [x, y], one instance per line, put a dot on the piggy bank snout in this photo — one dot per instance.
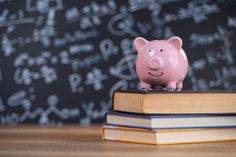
[155, 63]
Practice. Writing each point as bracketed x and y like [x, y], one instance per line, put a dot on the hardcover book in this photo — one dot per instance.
[164, 102]
[153, 122]
[162, 137]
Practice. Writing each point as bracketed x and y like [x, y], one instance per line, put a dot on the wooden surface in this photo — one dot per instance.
[86, 141]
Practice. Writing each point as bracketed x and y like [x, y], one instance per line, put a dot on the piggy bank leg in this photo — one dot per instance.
[171, 86]
[145, 85]
[179, 86]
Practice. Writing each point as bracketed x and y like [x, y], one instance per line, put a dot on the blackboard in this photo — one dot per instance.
[61, 60]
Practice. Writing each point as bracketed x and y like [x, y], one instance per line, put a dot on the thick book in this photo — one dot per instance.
[174, 102]
[162, 137]
[153, 122]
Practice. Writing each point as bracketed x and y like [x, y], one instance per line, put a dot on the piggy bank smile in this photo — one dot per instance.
[154, 75]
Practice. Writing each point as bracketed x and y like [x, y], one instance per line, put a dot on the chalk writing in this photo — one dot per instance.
[26, 76]
[7, 19]
[43, 6]
[122, 24]
[75, 80]
[95, 77]
[231, 22]
[74, 37]
[125, 69]
[107, 48]
[198, 10]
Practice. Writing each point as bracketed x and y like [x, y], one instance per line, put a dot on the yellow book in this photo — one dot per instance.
[163, 137]
[174, 102]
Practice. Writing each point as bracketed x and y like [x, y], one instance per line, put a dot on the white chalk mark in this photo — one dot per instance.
[75, 80]
[125, 68]
[43, 6]
[95, 78]
[15, 22]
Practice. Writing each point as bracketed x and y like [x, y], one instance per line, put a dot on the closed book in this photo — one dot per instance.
[162, 137]
[174, 102]
[180, 121]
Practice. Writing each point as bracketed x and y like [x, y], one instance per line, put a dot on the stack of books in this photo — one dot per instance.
[171, 117]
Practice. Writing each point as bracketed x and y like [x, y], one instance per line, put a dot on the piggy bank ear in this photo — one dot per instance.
[176, 42]
[139, 42]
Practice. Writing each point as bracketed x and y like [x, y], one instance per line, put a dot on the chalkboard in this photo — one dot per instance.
[60, 60]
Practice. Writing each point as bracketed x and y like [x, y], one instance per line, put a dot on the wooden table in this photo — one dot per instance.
[73, 140]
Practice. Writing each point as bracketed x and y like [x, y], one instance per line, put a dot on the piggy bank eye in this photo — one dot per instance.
[151, 52]
[161, 50]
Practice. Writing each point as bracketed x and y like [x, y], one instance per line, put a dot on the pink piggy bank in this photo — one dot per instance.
[161, 63]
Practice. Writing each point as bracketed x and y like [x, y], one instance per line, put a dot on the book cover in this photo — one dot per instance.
[165, 102]
[179, 121]
[167, 137]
